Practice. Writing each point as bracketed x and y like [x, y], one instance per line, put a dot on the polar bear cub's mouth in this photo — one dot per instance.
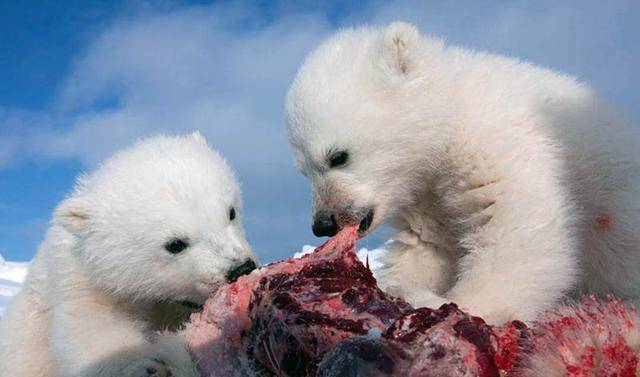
[191, 305]
[366, 222]
[244, 268]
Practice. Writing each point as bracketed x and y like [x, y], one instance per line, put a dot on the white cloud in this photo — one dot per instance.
[192, 68]
[22, 134]
[8, 149]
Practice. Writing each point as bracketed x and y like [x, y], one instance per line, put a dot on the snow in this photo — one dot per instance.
[374, 256]
[374, 333]
[12, 275]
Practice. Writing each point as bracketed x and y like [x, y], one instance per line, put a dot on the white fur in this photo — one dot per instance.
[510, 185]
[102, 288]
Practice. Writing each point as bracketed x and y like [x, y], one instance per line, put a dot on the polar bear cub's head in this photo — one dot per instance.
[365, 117]
[160, 220]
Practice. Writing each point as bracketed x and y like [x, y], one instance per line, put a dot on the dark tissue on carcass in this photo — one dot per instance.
[427, 342]
[283, 319]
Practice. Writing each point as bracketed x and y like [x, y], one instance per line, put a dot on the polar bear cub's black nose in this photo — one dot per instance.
[324, 224]
[243, 269]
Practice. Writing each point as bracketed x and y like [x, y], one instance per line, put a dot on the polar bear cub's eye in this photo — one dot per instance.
[338, 158]
[176, 245]
[232, 214]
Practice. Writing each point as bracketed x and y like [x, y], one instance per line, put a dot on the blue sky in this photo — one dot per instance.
[80, 79]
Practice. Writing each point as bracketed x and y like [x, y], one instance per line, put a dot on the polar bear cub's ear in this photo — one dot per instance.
[74, 215]
[197, 136]
[397, 47]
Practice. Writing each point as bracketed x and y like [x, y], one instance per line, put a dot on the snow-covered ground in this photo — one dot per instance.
[12, 275]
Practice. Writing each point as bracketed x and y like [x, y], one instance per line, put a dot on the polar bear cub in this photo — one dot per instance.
[510, 186]
[156, 228]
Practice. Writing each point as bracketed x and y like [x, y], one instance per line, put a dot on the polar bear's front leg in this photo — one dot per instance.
[90, 339]
[520, 263]
[418, 273]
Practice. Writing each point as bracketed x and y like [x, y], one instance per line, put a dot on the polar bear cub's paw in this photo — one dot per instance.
[417, 297]
[168, 358]
[155, 368]
[161, 367]
[173, 352]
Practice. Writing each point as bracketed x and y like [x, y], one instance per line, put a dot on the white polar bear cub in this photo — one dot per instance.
[156, 227]
[510, 185]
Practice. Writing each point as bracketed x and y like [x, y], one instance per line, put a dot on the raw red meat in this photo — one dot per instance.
[323, 315]
[282, 319]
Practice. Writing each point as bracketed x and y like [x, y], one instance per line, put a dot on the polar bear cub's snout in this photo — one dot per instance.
[327, 222]
[243, 269]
